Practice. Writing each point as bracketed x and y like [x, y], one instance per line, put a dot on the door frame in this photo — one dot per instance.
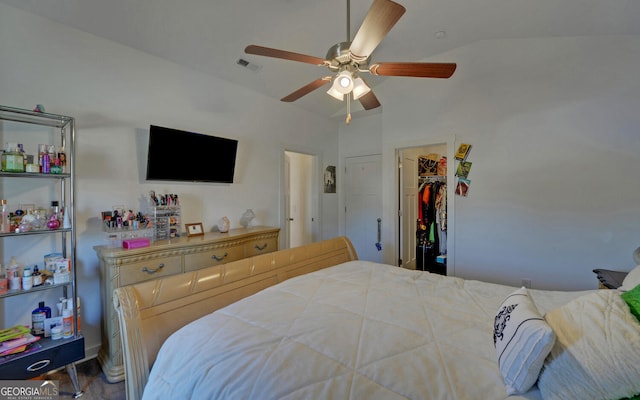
[395, 150]
[316, 176]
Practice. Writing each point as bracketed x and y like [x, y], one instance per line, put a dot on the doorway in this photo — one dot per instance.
[300, 198]
[417, 168]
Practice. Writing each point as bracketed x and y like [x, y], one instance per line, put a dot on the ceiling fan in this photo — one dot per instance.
[347, 60]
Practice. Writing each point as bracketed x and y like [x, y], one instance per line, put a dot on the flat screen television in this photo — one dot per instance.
[175, 155]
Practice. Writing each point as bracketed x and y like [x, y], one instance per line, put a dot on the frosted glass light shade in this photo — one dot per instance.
[343, 82]
[335, 94]
[360, 88]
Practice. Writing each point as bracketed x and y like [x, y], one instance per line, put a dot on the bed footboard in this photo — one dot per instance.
[151, 311]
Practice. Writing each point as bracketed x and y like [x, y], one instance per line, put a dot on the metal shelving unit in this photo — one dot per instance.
[52, 354]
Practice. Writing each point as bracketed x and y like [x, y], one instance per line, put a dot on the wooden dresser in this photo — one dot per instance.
[120, 267]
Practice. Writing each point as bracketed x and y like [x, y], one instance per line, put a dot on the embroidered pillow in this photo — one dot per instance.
[522, 339]
[596, 352]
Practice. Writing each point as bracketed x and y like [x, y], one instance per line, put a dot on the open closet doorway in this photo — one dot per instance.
[423, 201]
[300, 198]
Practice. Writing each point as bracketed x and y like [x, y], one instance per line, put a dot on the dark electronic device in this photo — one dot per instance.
[176, 155]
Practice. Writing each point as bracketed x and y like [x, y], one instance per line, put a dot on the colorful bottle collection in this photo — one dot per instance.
[19, 277]
[20, 221]
[16, 276]
[62, 326]
[14, 159]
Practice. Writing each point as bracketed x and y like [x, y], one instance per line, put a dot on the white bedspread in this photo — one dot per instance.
[358, 330]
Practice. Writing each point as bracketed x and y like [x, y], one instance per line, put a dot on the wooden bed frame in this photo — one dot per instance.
[151, 311]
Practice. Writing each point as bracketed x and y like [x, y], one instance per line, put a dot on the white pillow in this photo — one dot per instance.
[631, 280]
[522, 339]
[597, 350]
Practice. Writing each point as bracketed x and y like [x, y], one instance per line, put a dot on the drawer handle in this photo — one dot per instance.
[38, 365]
[152, 271]
[261, 248]
[215, 257]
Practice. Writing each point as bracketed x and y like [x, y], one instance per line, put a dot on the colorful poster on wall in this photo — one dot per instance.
[463, 169]
[428, 164]
[463, 151]
[462, 187]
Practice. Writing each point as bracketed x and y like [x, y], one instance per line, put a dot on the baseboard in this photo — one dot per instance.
[91, 352]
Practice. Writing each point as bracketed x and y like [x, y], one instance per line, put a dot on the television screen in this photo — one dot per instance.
[176, 155]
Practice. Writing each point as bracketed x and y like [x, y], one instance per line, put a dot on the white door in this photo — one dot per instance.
[363, 205]
[299, 198]
[409, 210]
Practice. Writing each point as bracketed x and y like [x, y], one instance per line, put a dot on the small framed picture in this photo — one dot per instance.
[194, 229]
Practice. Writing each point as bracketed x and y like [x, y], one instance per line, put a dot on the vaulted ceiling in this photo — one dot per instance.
[210, 36]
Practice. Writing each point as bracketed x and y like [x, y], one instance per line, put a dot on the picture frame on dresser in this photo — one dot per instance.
[195, 229]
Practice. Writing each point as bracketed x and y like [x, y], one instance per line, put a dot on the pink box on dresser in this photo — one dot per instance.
[135, 243]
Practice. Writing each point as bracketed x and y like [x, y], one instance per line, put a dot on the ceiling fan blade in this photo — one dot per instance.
[369, 101]
[382, 16]
[306, 89]
[419, 70]
[283, 54]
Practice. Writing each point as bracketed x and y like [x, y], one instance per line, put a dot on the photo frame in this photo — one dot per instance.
[194, 229]
[330, 179]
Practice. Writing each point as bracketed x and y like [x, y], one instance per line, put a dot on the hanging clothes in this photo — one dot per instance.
[441, 218]
[431, 202]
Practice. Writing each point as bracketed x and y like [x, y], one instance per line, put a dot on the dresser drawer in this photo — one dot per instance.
[260, 246]
[48, 358]
[150, 269]
[209, 258]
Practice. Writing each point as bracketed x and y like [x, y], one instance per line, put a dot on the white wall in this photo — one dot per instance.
[115, 93]
[555, 188]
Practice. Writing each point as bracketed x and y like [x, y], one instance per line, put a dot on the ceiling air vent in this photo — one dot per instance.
[244, 63]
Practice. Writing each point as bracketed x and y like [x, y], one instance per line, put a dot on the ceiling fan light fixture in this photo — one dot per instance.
[360, 88]
[343, 82]
[335, 93]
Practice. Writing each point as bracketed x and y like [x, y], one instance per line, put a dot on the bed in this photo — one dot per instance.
[315, 322]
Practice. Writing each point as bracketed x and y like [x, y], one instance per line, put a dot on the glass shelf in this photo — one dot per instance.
[33, 117]
[36, 232]
[18, 292]
[33, 175]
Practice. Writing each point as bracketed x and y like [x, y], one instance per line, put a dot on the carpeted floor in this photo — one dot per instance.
[92, 382]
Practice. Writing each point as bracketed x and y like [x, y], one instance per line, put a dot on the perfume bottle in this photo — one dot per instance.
[53, 223]
[12, 159]
[5, 223]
